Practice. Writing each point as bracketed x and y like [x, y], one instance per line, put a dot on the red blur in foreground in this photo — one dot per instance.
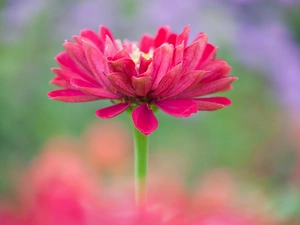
[158, 72]
[62, 187]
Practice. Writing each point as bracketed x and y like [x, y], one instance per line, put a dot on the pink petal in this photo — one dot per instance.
[92, 89]
[172, 39]
[142, 85]
[144, 64]
[92, 36]
[76, 53]
[168, 81]
[193, 54]
[162, 59]
[110, 48]
[58, 81]
[126, 66]
[178, 54]
[112, 111]
[216, 70]
[208, 55]
[104, 31]
[213, 103]
[211, 87]
[184, 36]
[146, 43]
[178, 107]
[69, 95]
[144, 119]
[65, 74]
[188, 81]
[97, 62]
[67, 63]
[122, 83]
[161, 36]
[123, 53]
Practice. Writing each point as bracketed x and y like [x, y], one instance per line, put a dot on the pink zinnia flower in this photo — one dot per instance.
[158, 72]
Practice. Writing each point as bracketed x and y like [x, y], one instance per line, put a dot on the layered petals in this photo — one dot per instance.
[112, 111]
[162, 71]
[178, 107]
[144, 119]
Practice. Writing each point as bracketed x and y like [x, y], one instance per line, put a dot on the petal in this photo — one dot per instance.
[183, 37]
[69, 95]
[126, 66]
[144, 119]
[112, 111]
[162, 59]
[93, 37]
[161, 36]
[215, 70]
[104, 31]
[110, 48]
[144, 64]
[122, 83]
[168, 81]
[65, 74]
[208, 55]
[178, 54]
[91, 89]
[123, 53]
[67, 63]
[146, 43]
[211, 87]
[172, 39]
[142, 85]
[97, 62]
[213, 103]
[76, 53]
[58, 81]
[178, 107]
[193, 54]
[188, 81]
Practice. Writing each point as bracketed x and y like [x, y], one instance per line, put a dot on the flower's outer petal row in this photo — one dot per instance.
[91, 89]
[67, 63]
[178, 54]
[65, 74]
[110, 48]
[69, 95]
[188, 81]
[58, 81]
[215, 70]
[209, 88]
[97, 63]
[193, 53]
[112, 111]
[93, 37]
[178, 107]
[213, 103]
[76, 53]
[122, 83]
[162, 60]
[144, 119]
[103, 32]
[208, 55]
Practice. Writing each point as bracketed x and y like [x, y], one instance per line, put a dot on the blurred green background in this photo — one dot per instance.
[257, 137]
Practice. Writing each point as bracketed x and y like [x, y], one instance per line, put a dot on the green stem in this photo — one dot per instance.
[140, 167]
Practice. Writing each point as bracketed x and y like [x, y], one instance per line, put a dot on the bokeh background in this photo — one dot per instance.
[253, 145]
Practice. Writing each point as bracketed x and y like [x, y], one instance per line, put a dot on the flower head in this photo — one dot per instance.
[158, 72]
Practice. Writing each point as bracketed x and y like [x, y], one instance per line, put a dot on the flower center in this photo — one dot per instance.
[136, 53]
